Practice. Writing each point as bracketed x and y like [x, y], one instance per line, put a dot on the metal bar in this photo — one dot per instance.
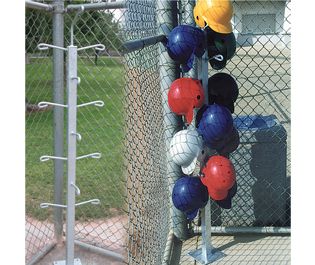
[169, 71]
[41, 254]
[36, 5]
[138, 44]
[58, 119]
[247, 230]
[98, 6]
[71, 165]
[101, 251]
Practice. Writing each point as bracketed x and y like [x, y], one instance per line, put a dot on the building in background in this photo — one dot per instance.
[260, 22]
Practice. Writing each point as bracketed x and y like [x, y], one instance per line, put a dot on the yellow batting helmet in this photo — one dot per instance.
[217, 14]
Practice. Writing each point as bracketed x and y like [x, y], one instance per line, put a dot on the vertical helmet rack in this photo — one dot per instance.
[72, 137]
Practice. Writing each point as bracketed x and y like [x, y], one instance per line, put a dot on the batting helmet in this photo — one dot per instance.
[185, 147]
[184, 95]
[215, 124]
[189, 195]
[223, 90]
[219, 176]
[217, 14]
[185, 42]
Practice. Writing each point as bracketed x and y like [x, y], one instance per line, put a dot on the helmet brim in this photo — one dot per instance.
[187, 170]
[192, 215]
[227, 202]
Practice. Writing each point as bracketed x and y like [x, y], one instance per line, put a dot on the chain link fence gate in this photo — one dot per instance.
[134, 116]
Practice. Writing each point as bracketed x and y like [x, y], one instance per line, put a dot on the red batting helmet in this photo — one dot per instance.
[184, 95]
[219, 176]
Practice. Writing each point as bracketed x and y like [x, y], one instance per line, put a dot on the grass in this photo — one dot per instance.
[101, 130]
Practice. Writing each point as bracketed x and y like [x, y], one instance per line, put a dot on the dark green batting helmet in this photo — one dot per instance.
[220, 44]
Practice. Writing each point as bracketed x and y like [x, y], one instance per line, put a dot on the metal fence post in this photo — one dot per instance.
[167, 19]
[72, 81]
[187, 18]
[58, 94]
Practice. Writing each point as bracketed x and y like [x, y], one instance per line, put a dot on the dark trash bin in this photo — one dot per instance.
[261, 168]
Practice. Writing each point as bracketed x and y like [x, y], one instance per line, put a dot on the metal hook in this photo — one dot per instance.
[46, 158]
[94, 201]
[99, 47]
[93, 155]
[79, 137]
[45, 46]
[97, 103]
[45, 104]
[77, 190]
[217, 57]
[77, 78]
[46, 205]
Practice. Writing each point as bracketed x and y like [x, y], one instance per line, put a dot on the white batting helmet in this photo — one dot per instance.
[185, 147]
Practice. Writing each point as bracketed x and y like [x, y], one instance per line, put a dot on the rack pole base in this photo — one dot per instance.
[63, 262]
[212, 255]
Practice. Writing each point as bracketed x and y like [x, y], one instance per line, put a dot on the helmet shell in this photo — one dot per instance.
[219, 176]
[223, 90]
[185, 147]
[189, 195]
[215, 124]
[185, 41]
[184, 95]
[217, 14]
[219, 43]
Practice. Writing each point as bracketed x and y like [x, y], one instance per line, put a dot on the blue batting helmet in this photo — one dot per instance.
[189, 195]
[185, 42]
[215, 124]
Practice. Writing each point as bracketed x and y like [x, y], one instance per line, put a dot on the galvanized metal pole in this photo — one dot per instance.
[58, 94]
[207, 253]
[169, 71]
[72, 81]
[187, 18]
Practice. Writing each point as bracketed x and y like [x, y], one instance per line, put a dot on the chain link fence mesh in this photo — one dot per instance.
[131, 178]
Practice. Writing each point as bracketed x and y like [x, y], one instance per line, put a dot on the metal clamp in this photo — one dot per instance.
[93, 155]
[45, 104]
[97, 103]
[45, 46]
[46, 158]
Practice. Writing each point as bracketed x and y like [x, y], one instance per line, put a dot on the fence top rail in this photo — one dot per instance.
[36, 5]
[97, 6]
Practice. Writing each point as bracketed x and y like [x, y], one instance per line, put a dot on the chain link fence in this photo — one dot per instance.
[135, 176]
